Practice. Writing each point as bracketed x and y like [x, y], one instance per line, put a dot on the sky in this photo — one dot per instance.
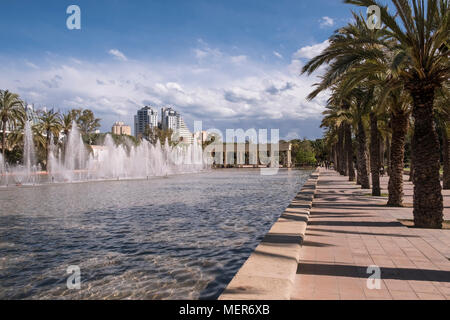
[230, 64]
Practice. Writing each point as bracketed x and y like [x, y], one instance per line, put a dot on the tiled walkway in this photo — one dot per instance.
[349, 231]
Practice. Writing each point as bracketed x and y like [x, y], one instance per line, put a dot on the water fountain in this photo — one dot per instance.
[29, 162]
[73, 161]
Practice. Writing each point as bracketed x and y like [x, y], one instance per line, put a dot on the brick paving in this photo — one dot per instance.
[349, 231]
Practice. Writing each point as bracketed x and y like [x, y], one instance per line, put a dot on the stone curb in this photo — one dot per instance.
[269, 272]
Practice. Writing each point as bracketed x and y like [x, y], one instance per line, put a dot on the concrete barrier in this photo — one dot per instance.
[269, 272]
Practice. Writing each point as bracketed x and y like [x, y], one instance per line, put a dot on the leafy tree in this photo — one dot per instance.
[305, 153]
[11, 111]
[86, 120]
[50, 124]
[154, 134]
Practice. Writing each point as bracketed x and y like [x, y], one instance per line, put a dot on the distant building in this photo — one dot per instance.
[201, 137]
[172, 120]
[169, 119]
[146, 116]
[183, 131]
[120, 128]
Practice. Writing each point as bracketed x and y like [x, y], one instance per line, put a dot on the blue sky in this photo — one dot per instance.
[232, 64]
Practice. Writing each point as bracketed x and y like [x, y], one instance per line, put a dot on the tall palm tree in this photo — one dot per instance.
[443, 121]
[66, 122]
[398, 105]
[336, 120]
[360, 107]
[50, 123]
[422, 33]
[11, 109]
[417, 34]
[348, 62]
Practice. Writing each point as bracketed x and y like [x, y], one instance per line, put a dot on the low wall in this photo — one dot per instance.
[269, 272]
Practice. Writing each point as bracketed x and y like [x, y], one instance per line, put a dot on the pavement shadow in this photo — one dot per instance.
[338, 270]
[364, 233]
[381, 224]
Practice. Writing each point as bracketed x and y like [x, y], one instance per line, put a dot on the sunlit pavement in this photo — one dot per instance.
[349, 231]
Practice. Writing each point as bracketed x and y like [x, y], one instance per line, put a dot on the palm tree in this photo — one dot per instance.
[11, 109]
[349, 62]
[443, 121]
[334, 119]
[399, 109]
[50, 124]
[419, 44]
[421, 58]
[359, 111]
[66, 123]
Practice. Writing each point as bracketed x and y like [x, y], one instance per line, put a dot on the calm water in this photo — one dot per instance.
[181, 237]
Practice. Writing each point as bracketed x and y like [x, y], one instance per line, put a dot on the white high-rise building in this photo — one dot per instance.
[169, 119]
[172, 120]
[146, 116]
[183, 131]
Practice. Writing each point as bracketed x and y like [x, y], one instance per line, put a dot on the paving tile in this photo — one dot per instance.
[430, 296]
[423, 287]
[403, 295]
[348, 232]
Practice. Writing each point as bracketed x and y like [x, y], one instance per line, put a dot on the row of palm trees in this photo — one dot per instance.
[385, 83]
[50, 123]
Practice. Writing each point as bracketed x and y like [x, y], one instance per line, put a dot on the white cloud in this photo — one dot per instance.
[310, 52]
[220, 90]
[292, 135]
[31, 65]
[205, 51]
[326, 22]
[118, 55]
[278, 55]
[238, 59]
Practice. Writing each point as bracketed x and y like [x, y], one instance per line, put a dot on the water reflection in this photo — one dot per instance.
[181, 237]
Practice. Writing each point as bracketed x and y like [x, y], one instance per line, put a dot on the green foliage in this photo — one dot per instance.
[99, 139]
[12, 113]
[303, 152]
[155, 134]
[320, 149]
[86, 120]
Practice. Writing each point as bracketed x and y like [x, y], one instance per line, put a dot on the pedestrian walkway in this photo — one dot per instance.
[349, 231]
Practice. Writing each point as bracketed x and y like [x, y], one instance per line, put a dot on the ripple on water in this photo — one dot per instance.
[183, 237]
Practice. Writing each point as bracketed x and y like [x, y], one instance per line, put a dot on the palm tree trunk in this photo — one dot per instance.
[335, 157]
[47, 150]
[362, 151]
[388, 154]
[375, 155]
[3, 139]
[381, 150]
[411, 169]
[358, 166]
[428, 201]
[395, 185]
[342, 155]
[339, 150]
[349, 152]
[446, 146]
[337, 164]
